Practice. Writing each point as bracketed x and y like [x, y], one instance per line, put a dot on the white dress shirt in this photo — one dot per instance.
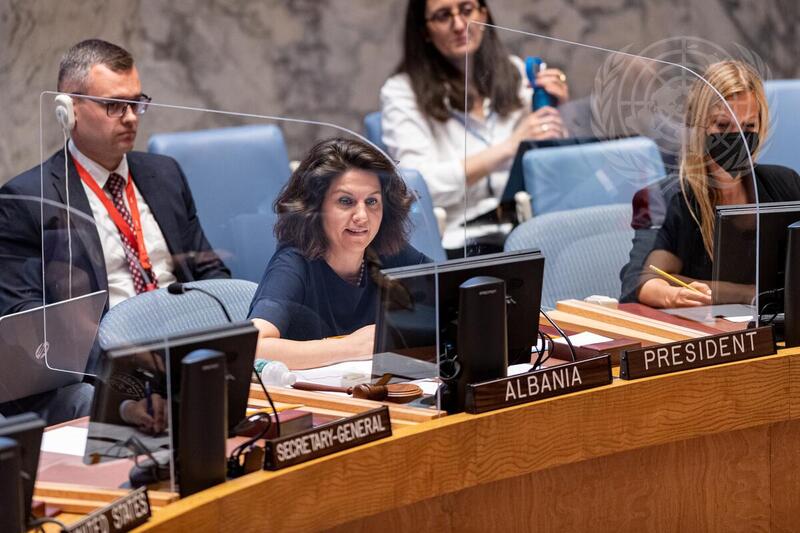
[120, 280]
[437, 149]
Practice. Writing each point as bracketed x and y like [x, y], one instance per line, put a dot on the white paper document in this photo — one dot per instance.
[340, 374]
[67, 440]
[583, 339]
[710, 313]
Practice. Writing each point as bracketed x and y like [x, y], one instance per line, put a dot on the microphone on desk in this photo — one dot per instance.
[179, 288]
[235, 467]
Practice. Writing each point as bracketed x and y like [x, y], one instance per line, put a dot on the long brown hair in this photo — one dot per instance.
[299, 205]
[730, 78]
[439, 86]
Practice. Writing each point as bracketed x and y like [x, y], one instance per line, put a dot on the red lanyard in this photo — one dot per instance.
[135, 238]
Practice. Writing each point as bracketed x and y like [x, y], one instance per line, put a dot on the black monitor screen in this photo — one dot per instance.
[134, 373]
[26, 429]
[735, 250]
[406, 322]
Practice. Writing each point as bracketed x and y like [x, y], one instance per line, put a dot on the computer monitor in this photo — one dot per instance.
[407, 313]
[735, 250]
[26, 429]
[131, 373]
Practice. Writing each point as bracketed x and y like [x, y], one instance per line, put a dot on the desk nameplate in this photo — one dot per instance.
[327, 439]
[123, 514]
[697, 353]
[538, 385]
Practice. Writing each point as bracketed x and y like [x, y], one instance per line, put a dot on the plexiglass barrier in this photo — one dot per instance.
[154, 251]
[625, 180]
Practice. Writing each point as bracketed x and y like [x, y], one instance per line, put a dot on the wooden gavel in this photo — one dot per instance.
[364, 391]
[380, 391]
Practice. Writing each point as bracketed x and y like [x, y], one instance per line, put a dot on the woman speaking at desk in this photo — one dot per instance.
[341, 218]
[714, 171]
[422, 106]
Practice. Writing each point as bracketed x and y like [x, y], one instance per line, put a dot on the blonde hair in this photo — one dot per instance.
[730, 78]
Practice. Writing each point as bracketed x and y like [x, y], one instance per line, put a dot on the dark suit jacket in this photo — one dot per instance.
[30, 231]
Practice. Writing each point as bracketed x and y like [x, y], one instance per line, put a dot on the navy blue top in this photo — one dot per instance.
[306, 300]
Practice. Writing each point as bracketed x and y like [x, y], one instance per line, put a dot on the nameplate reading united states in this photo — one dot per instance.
[696, 353]
[538, 385]
[124, 514]
[327, 439]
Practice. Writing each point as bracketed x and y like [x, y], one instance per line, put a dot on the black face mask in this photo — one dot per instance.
[729, 151]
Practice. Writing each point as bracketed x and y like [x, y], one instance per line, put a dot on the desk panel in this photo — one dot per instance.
[690, 451]
[717, 483]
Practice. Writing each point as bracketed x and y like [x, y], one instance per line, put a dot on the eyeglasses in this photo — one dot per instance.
[116, 109]
[444, 17]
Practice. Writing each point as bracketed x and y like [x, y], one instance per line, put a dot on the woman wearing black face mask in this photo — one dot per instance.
[715, 170]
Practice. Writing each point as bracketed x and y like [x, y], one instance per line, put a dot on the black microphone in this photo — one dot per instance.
[179, 288]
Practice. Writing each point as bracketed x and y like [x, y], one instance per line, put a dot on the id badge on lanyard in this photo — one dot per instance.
[134, 236]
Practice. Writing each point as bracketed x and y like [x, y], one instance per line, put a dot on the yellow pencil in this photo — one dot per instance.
[673, 279]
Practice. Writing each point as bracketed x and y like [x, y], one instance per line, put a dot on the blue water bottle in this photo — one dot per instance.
[541, 98]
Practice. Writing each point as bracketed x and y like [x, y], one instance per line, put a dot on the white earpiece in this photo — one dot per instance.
[65, 114]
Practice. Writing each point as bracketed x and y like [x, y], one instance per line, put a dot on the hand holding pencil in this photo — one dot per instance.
[684, 294]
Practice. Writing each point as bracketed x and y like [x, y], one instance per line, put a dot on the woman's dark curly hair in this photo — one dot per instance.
[436, 82]
[299, 205]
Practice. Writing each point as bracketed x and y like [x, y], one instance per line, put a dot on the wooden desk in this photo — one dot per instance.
[714, 449]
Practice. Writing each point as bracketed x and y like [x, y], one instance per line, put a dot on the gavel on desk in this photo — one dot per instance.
[380, 391]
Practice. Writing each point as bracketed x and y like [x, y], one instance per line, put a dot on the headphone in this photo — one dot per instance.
[65, 113]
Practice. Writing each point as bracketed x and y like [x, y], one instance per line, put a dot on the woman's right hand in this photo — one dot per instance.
[542, 124]
[683, 297]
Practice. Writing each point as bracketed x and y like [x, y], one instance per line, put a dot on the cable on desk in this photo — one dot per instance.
[271, 404]
[561, 332]
[39, 522]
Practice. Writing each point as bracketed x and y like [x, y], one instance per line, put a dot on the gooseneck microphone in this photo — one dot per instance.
[179, 288]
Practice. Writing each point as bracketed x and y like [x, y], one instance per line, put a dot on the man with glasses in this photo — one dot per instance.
[132, 221]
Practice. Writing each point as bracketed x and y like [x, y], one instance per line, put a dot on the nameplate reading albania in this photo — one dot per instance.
[538, 385]
[124, 514]
[696, 353]
[327, 439]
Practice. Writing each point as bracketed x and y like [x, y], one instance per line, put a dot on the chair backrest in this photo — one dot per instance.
[425, 231]
[373, 130]
[158, 314]
[584, 250]
[253, 238]
[584, 175]
[232, 172]
[780, 148]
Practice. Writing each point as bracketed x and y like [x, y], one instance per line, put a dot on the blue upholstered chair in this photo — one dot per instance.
[425, 230]
[583, 175]
[781, 147]
[157, 314]
[425, 235]
[234, 174]
[373, 129]
[584, 250]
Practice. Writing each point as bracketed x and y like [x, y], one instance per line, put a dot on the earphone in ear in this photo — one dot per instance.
[65, 114]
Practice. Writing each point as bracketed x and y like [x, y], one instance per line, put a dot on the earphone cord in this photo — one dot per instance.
[69, 225]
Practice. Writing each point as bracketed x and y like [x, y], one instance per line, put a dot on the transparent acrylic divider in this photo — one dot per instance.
[130, 425]
[211, 182]
[620, 167]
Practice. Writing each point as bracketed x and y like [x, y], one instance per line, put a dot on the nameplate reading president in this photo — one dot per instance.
[697, 353]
